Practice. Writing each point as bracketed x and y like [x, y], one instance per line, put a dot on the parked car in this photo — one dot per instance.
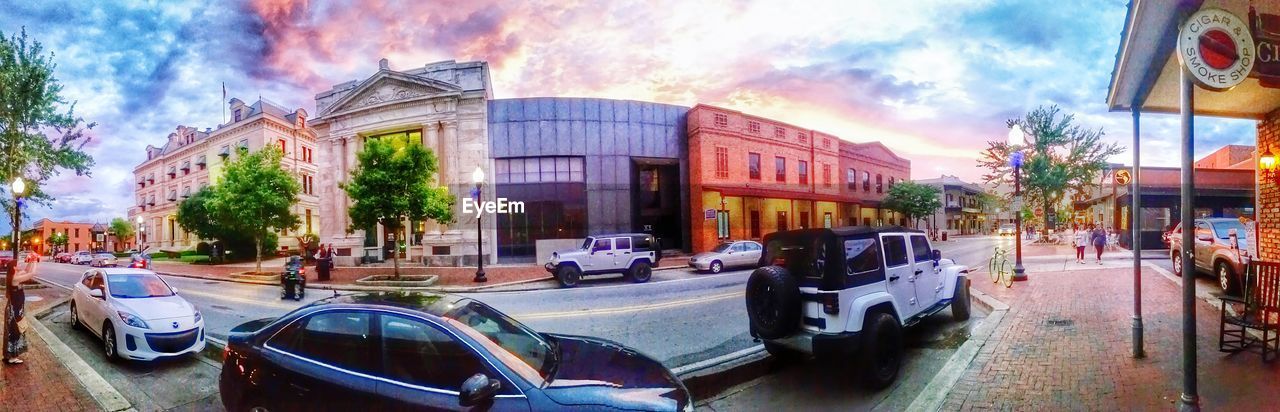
[866, 283]
[81, 258]
[103, 260]
[427, 351]
[63, 257]
[1008, 229]
[633, 254]
[742, 253]
[136, 314]
[1213, 251]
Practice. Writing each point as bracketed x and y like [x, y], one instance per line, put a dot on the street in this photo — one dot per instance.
[679, 318]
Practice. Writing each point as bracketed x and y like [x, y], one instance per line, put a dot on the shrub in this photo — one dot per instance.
[186, 253]
[123, 255]
[204, 248]
[196, 259]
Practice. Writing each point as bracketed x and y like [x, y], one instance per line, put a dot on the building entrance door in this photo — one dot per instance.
[656, 201]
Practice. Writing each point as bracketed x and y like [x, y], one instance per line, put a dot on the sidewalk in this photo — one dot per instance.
[1065, 344]
[41, 383]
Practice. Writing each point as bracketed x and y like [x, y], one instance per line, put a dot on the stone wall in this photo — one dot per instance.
[1268, 193]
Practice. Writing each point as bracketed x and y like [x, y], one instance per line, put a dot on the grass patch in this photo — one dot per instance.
[196, 259]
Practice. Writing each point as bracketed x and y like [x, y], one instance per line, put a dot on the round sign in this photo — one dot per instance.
[1123, 177]
[1216, 48]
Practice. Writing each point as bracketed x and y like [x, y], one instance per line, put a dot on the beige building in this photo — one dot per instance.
[192, 159]
[444, 106]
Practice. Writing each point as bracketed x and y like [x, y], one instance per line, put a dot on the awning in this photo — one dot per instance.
[1146, 72]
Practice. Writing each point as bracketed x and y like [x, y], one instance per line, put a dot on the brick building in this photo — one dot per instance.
[80, 236]
[749, 176]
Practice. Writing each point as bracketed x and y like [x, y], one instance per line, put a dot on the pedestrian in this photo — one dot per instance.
[15, 320]
[1082, 241]
[1099, 238]
[322, 263]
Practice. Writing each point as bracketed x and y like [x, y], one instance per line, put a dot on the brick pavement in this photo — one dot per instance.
[41, 383]
[1031, 364]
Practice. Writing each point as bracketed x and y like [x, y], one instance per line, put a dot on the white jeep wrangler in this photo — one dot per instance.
[847, 293]
[634, 254]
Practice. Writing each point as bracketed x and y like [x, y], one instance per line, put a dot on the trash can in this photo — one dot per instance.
[944, 236]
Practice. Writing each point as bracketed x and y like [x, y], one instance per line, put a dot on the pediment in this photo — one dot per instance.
[388, 87]
[877, 150]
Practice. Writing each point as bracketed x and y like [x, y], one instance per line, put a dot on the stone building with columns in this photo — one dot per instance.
[441, 104]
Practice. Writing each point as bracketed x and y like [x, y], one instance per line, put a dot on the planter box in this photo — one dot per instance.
[405, 280]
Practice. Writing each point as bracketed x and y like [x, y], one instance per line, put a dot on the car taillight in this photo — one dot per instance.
[830, 303]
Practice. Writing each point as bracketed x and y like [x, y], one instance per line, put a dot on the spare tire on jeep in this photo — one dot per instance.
[773, 302]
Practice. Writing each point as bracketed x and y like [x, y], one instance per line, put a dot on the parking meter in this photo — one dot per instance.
[1234, 239]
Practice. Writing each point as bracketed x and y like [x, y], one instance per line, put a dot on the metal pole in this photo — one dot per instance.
[1019, 273]
[11, 271]
[480, 278]
[1135, 223]
[1190, 397]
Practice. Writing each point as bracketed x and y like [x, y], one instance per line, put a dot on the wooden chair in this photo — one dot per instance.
[1258, 310]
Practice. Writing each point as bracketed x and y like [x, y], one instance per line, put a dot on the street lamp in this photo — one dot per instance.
[18, 187]
[478, 178]
[137, 234]
[1016, 138]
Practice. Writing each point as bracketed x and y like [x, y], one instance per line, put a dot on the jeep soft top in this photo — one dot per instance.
[817, 256]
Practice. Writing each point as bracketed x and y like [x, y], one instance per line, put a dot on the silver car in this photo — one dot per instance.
[103, 260]
[741, 253]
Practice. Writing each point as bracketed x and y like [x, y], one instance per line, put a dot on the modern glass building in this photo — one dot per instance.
[588, 166]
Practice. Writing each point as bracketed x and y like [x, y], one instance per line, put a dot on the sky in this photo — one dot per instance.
[931, 79]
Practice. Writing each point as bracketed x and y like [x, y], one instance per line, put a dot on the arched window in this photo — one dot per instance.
[866, 181]
[879, 183]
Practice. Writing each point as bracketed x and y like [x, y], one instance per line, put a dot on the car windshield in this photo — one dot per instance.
[137, 285]
[1223, 229]
[721, 248]
[586, 244]
[525, 350]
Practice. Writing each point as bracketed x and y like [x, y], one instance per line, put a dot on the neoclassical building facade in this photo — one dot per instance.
[442, 105]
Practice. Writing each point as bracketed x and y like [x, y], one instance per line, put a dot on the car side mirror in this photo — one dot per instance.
[477, 390]
[937, 255]
[97, 293]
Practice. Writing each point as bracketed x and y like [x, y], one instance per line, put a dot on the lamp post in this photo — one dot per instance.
[1017, 137]
[137, 234]
[478, 178]
[18, 188]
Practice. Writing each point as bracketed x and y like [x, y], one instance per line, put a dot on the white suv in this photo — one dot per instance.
[846, 293]
[634, 254]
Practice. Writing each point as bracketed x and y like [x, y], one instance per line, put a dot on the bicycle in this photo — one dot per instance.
[1000, 269]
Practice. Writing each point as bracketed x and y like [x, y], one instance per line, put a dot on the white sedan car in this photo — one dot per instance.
[103, 260]
[81, 258]
[137, 315]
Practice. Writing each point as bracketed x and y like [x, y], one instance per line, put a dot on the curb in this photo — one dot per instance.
[709, 377]
[932, 396]
[102, 392]
[355, 288]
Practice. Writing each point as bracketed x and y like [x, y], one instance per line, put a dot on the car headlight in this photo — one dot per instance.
[197, 316]
[132, 320]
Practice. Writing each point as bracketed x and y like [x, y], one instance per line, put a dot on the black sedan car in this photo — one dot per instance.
[425, 351]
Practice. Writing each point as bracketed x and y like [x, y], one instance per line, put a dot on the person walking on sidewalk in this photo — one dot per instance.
[15, 322]
[1082, 241]
[1099, 238]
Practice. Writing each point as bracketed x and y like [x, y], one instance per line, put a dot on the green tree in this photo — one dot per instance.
[913, 200]
[1059, 157]
[255, 195]
[196, 215]
[58, 240]
[392, 182]
[121, 229]
[40, 135]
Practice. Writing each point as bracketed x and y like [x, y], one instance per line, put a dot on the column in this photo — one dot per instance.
[449, 170]
[431, 139]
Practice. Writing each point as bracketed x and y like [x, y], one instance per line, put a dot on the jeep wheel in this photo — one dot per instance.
[640, 272]
[716, 266]
[773, 302]
[568, 276]
[1226, 277]
[960, 300]
[881, 354]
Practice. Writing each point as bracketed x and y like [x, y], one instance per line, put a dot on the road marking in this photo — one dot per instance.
[101, 391]
[629, 309]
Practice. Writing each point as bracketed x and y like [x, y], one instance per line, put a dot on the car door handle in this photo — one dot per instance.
[919, 271]
[893, 277]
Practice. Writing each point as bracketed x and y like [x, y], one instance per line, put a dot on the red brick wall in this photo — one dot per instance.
[1268, 196]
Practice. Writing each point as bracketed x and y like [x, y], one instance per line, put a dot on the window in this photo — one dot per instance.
[753, 165]
[282, 144]
[866, 181]
[237, 115]
[539, 169]
[244, 144]
[826, 143]
[895, 250]
[754, 127]
[722, 162]
[779, 133]
[803, 168]
[339, 339]
[826, 175]
[862, 256]
[721, 120]
[780, 166]
[950, 202]
[851, 179]
[417, 353]
[920, 248]
[306, 154]
[623, 243]
[804, 138]
[602, 245]
[879, 184]
[309, 222]
[77, 231]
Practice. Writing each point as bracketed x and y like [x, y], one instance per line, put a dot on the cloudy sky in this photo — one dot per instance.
[932, 79]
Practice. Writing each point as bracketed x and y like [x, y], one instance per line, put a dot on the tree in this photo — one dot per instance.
[195, 215]
[913, 200]
[31, 105]
[255, 195]
[121, 229]
[393, 182]
[58, 240]
[1059, 156]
